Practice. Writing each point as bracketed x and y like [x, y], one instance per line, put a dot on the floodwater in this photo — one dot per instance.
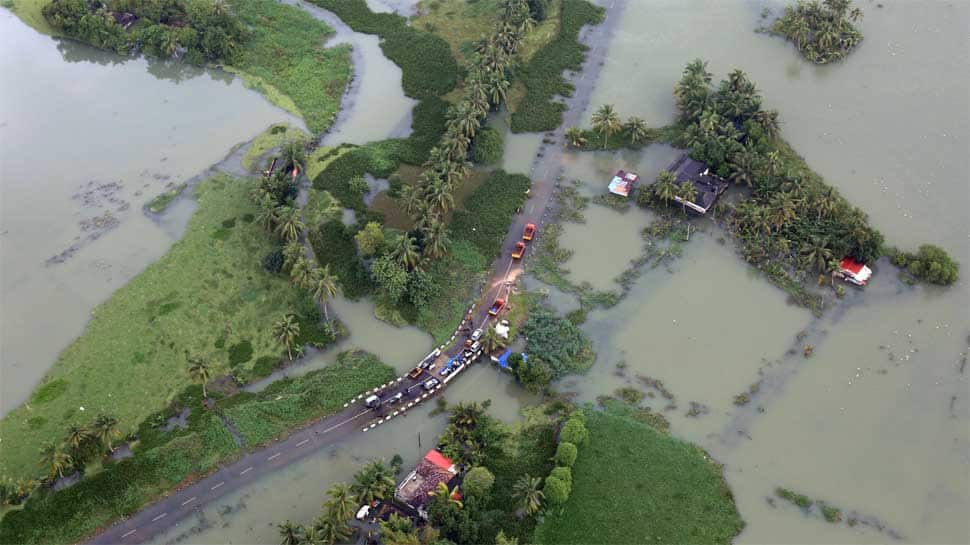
[86, 139]
[877, 420]
[375, 106]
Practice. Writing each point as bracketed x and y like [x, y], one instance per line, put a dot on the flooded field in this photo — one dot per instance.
[86, 139]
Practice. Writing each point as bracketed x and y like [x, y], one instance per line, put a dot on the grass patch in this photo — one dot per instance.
[288, 402]
[29, 12]
[272, 137]
[542, 76]
[320, 159]
[284, 56]
[320, 208]
[631, 480]
[134, 346]
[487, 213]
[458, 22]
[161, 202]
[455, 275]
[801, 500]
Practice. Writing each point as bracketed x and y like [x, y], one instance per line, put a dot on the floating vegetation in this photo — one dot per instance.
[161, 202]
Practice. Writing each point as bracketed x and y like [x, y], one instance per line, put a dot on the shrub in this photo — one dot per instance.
[488, 147]
[240, 353]
[273, 261]
[478, 482]
[930, 263]
[555, 491]
[370, 239]
[264, 366]
[565, 454]
[559, 342]
[575, 432]
[564, 474]
[801, 500]
[334, 246]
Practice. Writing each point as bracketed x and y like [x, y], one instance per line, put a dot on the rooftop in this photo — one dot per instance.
[622, 183]
[434, 468]
[708, 185]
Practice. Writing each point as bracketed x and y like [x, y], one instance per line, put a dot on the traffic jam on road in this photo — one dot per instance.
[440, 367]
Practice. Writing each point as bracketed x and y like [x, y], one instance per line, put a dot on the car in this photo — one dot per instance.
[477, 334]
[431, 383]
[496, 307]
[519, 250]
[396, 397]
[530, 231]
[445, 371]
[372, 402]
[474, 347]
[415, 373]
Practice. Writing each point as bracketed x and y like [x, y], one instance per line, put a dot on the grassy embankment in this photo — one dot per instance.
[271, 138]
[208, 294]
[29, 11]
[631, 480]
[164, 459]
[542, 77]
[161, 202]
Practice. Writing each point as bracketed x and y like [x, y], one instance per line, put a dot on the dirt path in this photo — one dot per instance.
[326, 432]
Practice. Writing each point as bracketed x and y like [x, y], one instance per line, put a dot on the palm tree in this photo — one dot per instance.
[436, 239]
[666, 186]
[575, 137]
[439, 197]
[465, 415]
[200, 372]
[687, 193]
[292, 155]
[816, 253]
[606, 122]
[341, 504]
[827, 203]
[266, 213]
[374, 481]
[292, 252]
[291, 534]
[782, 210]
[328, 531]
[637, 128]
[301, 273]
[285, 331]
[442, 492]
[527, 490]
[324, 287]
[492, 341]
[290, 224]
[768, 119]
[55, 460]
[411, 200]
[76, 437]
[743, 167]
[406, 251]
[105, 429]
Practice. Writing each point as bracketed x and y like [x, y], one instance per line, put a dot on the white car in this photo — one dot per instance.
[477, 334]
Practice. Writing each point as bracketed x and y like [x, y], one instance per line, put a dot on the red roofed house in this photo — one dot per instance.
[854, 272]
[434, 468]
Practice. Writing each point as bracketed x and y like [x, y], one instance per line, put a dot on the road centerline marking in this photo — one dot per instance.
[188, 501]
[218, 485]
[247, 470]
[159, 517]
[128, 533]
[303, 442]
[273, 456]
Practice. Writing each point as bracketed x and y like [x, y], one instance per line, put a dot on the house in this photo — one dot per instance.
[854, 272]
[433, 469]
[622, 183]
[707, 185]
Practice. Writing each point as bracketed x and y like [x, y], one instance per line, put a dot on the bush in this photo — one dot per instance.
[930, 263]
[370, 239]
[565, 454]
[240, 353]
[478, 482]
[555, 491]
[273, 261]
[334, 245]
[488, 211]
[575, 432]
[564, 474]
[543, 77]
[561, 344]
[534, 374]
[488, 147]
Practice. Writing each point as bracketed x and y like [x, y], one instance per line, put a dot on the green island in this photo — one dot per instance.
[821, 31]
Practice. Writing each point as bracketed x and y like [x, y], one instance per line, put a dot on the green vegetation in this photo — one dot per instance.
[822, 32]
[208, 292]
[930, 263]
[634, 481]
[273, 137]
[333, 244]
[557, 342]
[31, 12]
[488, 147]
[487, 212]
[458, 22]
[543, 77]
[801, 500]
[829, 512]
[163, 459]
[453, 277]
[161, 202]
[289, 402]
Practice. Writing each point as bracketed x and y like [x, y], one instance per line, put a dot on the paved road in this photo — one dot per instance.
[355, 417]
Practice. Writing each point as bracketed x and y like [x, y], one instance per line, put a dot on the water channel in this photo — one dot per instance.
[875, 422]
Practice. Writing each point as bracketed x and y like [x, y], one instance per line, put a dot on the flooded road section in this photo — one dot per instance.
[877, 421]
[86, 139]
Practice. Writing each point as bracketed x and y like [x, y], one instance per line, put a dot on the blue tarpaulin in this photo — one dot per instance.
[503, 360]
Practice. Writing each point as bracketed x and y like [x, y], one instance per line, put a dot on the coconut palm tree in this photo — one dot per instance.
[291, 534]
[301, 273]
[55, 459]
[342, 502]
[465, 415]
[827, 202]
[575, 137]
[374, 481]
[527, 490]
[492, 341]
[200, 372]
[442, 491]
[406, 251]
[293, 155]
[76, 437]
[436, 239]
[666, 186]
[454, 172]
[637, 128]
[324, 287]
[606, 122]
[816, 253]
[687, 193]
[266, 213]
[292, 252]
[285, 331]
[411, 200]
[289, 225]
[743, 167]
[439, 196]
[768, 120]
[105, 429]
[328, 531]
[782, 210]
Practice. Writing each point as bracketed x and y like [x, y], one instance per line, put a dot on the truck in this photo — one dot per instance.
[529, 232]
[519, 250]
[496, 307]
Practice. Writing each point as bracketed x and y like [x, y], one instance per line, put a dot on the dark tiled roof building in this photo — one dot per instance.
[709, 186]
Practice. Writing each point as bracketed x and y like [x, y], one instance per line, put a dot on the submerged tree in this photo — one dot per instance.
[822, 32]
[606, 122]
[324, 287]
[575, 137]
[636, 128]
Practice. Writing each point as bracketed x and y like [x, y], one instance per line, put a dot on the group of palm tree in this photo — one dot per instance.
[80, 445]
[486, 86]
[822, 32]
[374, 481]
[606, 122]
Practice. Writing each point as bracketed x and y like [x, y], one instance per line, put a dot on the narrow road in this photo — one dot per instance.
[326, 432]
